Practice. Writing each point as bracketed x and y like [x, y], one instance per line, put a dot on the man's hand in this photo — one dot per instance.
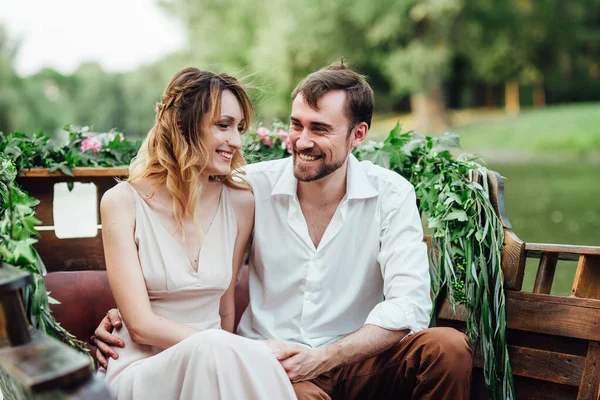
[103, 338]
[303, 363]
[282, 349]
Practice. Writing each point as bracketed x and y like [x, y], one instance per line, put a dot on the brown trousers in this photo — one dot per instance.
[432, 364]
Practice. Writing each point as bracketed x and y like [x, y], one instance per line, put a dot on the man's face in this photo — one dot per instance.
[321, 139]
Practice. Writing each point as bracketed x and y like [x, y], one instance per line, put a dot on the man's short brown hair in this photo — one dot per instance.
[359, 95]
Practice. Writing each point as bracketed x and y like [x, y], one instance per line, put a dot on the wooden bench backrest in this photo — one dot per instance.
[78, 254]
[554, 341]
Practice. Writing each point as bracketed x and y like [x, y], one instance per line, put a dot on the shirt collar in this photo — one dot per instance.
[287, 182]
[358, 185]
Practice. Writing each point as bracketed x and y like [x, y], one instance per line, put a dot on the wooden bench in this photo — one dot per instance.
[554, 340]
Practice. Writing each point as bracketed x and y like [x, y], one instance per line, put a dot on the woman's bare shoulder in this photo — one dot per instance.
[243, 205]
[242, 199]
[118, 198]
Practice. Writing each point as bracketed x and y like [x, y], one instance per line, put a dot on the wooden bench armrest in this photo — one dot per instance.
[564, 251]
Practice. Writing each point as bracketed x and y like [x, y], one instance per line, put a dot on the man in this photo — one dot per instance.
[339, 281]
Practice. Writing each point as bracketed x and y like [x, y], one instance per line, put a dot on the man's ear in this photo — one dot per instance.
[359, 134]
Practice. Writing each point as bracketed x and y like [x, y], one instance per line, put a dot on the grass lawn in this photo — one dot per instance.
[569, 129]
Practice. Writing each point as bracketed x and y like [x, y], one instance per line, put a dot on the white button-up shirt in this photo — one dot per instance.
[370, 267]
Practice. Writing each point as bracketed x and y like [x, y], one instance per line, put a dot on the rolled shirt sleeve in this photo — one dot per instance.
[404, 266]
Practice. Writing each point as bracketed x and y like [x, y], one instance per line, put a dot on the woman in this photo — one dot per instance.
[174, 236]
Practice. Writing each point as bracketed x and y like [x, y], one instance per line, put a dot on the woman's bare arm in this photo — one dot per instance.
[125, 274]
[243, 204]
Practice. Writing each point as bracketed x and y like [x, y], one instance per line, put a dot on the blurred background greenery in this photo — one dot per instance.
[518, 80]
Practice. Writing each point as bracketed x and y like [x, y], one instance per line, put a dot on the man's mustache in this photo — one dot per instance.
[311, 153]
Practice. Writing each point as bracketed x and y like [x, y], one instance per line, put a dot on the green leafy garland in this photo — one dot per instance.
[467, 238]
[17, 215]
[467, 235]
[38, 151]
[17, 237]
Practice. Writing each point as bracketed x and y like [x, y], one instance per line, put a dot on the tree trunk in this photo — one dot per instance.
[490, 100]
[539, 96]
[429, 110]
[512, 103]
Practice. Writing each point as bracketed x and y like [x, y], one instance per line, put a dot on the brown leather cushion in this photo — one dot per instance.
[85, 298]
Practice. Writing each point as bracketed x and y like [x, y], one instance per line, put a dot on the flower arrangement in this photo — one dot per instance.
[83, 149]
[261, 143]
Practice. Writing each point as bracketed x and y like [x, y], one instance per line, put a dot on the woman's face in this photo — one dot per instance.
[223, 138]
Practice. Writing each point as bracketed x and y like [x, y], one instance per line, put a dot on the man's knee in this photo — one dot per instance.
[309, 391]
[448, 347]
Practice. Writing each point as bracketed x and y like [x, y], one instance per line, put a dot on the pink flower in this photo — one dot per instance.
[288, 145]
[283, 135]
[267, 141]
[91, 143]
[111, 136]
[262, 132]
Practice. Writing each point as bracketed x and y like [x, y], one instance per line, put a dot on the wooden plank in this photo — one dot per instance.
[531, 389]
[545, 273]
[553, 315]
[12, 308]
[513, 261]
[590, 381]
[45, 364]
[542, 313]
[81, 171]
[496, 187]
[565, 252]
[587, 278]
[76, 254]
[565, 369]
[540, 341]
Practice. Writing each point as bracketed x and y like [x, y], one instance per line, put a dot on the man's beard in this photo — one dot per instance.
[306, 174]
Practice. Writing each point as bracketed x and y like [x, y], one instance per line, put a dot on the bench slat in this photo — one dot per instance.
[545, 273]
[542, 313]
[587, 278]
[590, 382]
[565, 369]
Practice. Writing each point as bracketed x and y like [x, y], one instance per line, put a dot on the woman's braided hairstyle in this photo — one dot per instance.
[173, 152]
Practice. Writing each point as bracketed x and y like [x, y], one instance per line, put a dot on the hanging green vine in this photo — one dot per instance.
[17, 237]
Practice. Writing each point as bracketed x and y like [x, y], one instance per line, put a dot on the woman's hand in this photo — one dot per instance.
[104, 339]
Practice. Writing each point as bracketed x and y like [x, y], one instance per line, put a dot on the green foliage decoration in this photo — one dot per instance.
[17, 237]
[84, 149]
[17, 215]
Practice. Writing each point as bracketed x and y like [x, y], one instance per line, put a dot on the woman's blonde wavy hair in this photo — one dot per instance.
[173, 153]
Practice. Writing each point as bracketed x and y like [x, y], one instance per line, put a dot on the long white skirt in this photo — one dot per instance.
[212, 364]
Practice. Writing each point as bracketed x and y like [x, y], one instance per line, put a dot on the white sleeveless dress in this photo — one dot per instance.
[212, 364]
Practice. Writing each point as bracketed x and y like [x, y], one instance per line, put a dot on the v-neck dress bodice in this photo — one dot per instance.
[164, 262]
